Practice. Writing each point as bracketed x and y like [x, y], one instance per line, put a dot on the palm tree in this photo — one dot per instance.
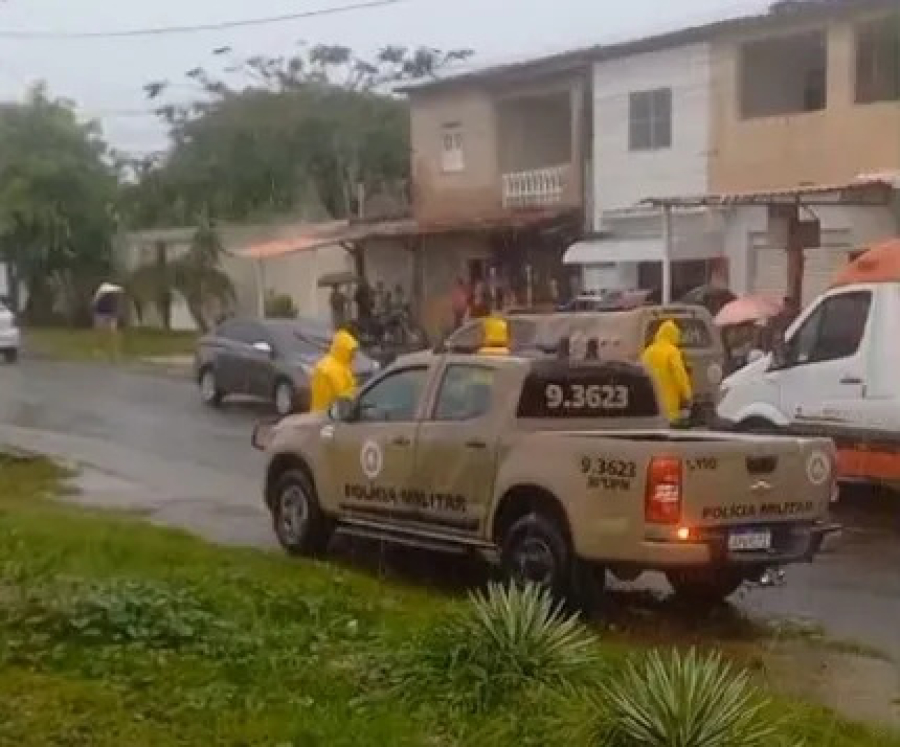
[197, 276]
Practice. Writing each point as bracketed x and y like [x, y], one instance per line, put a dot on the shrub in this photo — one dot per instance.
[504, 642]
[684, 700]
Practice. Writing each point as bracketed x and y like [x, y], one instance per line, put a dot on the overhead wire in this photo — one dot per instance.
[195, 28]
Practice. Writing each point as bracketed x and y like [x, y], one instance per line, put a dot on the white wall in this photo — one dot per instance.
[622, 177]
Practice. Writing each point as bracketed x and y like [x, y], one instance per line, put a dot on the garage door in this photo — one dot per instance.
[822, 263]
[769, 266]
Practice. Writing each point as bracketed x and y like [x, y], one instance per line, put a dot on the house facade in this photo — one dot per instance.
[498, 173]
[806, 97]
[650, 138]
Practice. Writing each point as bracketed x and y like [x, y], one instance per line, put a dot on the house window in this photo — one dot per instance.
[650, 119]
[452, 158]
[878, 61]
[784, 75]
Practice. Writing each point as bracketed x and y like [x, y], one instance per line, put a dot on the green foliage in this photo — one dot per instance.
[116, 632]
[506, 641]
[684, 700]
[300, 137]
[57, 197]
[280, 306]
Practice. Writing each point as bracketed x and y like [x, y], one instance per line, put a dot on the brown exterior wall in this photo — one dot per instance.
[829, 146]
[476, 191]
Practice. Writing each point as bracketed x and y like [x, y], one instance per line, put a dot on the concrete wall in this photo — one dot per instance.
[623, 177]
[829, 146]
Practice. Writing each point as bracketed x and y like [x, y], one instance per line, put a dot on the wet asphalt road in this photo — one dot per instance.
[149, 445]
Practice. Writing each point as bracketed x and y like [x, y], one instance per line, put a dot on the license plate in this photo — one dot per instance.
[756, 539]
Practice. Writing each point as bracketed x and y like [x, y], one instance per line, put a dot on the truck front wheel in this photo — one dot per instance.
[706, 586]
[300, 525]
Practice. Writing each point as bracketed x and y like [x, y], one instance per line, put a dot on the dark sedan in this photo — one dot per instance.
[271, 359]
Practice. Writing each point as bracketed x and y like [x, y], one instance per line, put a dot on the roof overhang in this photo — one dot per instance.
[616, 249]
[864, 191]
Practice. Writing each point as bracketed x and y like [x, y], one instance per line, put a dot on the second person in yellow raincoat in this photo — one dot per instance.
[332, 377]
[496, 336]
[665, 361]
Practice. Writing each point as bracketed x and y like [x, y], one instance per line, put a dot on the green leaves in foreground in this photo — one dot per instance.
[686, 700]
[505, 641]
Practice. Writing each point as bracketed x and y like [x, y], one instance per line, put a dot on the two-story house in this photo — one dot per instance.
[498, 171]
[728, 116]
[805, 98]
[651, 104]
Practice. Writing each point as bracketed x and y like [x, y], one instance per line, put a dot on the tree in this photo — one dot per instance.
[306, 129]
[57, 216]
[196, 276]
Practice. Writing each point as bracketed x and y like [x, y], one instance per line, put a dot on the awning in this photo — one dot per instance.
[617, 249]
[605, 251]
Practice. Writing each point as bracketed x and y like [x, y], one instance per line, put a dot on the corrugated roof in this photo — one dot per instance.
[775, 195]
[576, 58]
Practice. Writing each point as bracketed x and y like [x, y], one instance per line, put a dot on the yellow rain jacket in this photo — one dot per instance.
[665, 362]
[496, 337]
[332, 377]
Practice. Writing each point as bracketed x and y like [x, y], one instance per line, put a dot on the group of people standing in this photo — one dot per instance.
[366, 303]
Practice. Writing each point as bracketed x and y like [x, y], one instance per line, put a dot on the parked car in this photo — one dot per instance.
[271, 359]
[9, 335]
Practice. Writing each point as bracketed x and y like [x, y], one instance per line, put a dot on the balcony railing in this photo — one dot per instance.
[535, 188]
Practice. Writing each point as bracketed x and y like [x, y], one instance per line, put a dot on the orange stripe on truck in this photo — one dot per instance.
[860, 461]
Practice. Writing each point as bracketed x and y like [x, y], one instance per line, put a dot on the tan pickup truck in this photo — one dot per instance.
[559, 470]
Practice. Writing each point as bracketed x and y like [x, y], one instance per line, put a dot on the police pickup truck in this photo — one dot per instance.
[558, 470]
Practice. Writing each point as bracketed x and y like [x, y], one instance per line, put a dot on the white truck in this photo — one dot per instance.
[837, 374]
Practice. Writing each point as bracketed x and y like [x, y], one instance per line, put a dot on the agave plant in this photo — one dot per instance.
[503, 642]
[688, 700]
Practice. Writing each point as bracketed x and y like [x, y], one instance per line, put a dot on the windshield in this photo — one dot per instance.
[694, 332]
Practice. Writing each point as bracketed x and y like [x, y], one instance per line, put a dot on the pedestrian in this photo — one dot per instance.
[338, 303]
[459, 302]
[480, 306]
[332, 377]
[364, 303]
[496, 336]
[665, 362]
[106, 315]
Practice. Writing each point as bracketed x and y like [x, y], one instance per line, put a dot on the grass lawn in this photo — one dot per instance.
[114, 632]
[94, 345]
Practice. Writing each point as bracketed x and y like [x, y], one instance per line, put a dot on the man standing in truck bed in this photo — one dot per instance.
[665, 362]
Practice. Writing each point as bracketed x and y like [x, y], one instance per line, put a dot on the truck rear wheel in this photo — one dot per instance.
[535, 549]
[300, 525]
[705, 586]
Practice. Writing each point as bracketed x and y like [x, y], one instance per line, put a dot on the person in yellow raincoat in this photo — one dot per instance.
[496, 336]
[332, 377]
[664, 360]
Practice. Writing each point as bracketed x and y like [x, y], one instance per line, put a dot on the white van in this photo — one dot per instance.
[838, 375]
[9, 335]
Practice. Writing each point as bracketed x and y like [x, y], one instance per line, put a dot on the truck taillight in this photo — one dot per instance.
[663, 500]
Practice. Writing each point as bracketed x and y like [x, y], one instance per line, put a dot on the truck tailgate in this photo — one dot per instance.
[756, 480]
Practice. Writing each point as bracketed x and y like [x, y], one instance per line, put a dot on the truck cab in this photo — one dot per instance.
[835, 375]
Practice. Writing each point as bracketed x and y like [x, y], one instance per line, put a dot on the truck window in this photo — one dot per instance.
[833, 331]
[613, 390]
[694, 332]
[465, 393]
[394, 398]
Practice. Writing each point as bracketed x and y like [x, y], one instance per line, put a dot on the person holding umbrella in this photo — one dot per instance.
[106, 313]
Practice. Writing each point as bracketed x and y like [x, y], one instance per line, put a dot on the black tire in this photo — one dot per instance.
[284, 397]
[535, 549]
[705, 586]
[210, 392]
[11, 355]
[300, 525]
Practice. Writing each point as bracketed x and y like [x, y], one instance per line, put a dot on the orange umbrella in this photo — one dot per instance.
[747, 309]
[879, 264]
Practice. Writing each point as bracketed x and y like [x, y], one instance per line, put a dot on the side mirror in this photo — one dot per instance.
[264, 348]
[341, 410]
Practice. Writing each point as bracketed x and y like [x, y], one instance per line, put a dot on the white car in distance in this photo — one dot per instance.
[9, 335]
